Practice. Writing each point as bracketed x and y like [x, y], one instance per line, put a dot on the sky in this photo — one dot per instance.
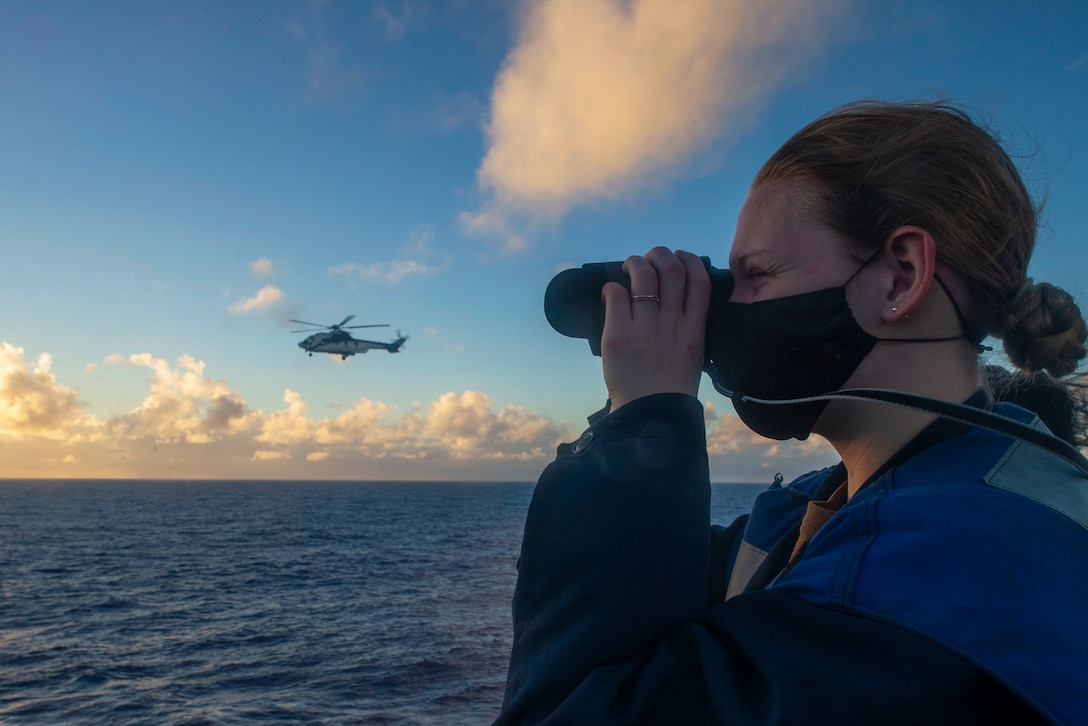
[180, 179]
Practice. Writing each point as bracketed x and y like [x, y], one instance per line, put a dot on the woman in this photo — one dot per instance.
[936, 575]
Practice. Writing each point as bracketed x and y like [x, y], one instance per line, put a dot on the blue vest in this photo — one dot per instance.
[979, 543]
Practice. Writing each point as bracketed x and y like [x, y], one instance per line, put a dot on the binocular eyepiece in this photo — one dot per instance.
[573, 306]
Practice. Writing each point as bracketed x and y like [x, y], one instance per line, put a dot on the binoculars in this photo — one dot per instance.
[573, 306]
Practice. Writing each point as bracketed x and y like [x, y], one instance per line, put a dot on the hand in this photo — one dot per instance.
[655, 347]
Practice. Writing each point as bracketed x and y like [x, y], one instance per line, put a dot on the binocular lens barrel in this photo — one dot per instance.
[573, 306]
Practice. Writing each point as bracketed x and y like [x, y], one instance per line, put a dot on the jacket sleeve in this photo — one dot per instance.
[615, 620]
[615, 551]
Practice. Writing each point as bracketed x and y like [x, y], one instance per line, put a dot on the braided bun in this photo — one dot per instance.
[1043, 329]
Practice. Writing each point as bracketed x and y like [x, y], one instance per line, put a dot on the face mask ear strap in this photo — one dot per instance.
[863, 265]
[979, 347]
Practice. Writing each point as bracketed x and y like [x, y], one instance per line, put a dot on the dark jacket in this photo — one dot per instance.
[941, 593]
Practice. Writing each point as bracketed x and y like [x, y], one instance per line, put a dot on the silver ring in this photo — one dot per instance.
[645, 298]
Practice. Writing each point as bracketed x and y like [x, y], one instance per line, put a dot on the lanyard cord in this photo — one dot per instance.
[946, 409]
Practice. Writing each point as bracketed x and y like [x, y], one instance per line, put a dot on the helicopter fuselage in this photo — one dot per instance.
[342, 344]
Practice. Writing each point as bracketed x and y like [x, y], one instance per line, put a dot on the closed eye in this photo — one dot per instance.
[748, 283]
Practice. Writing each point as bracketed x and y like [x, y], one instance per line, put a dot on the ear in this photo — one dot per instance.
[911, 255]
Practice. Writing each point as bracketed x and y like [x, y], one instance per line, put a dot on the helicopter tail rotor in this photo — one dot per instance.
[398, 343]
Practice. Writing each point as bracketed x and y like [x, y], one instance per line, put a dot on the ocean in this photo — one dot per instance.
[139, 602]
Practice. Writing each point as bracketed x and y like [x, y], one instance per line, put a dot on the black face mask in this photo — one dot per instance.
[787, 348]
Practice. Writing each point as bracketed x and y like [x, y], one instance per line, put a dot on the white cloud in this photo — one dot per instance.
[601, 98]
[739, 454]
[329, 76]
[420, 241]
[182, 404]
[413, 261]
[261, 267]
[330, 73]
[466, 425]
[496, 223]
[267, 296]
[454, 112]
[395, 22]
[460, 426]
[191, 425]
[289, 426]
[295, 28]
[34, 404]
[391, 272]
[266, 455]
[354, 425]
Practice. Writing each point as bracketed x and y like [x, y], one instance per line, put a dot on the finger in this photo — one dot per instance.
[617, 298]
[644, 283]
[671, 279]
[617, 301]
[697, 287]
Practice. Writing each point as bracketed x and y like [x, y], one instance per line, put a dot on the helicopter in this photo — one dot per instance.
[338, 341]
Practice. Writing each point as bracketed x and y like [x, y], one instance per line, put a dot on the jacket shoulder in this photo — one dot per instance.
[969, 544]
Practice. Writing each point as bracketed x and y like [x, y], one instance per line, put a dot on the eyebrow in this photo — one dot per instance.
[743, 259]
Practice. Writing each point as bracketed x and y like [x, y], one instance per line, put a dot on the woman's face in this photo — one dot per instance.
[780, 248]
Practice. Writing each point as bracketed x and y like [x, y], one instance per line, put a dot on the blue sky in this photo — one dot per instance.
[180, 178]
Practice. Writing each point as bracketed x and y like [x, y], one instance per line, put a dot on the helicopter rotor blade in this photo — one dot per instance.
[334, 327]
